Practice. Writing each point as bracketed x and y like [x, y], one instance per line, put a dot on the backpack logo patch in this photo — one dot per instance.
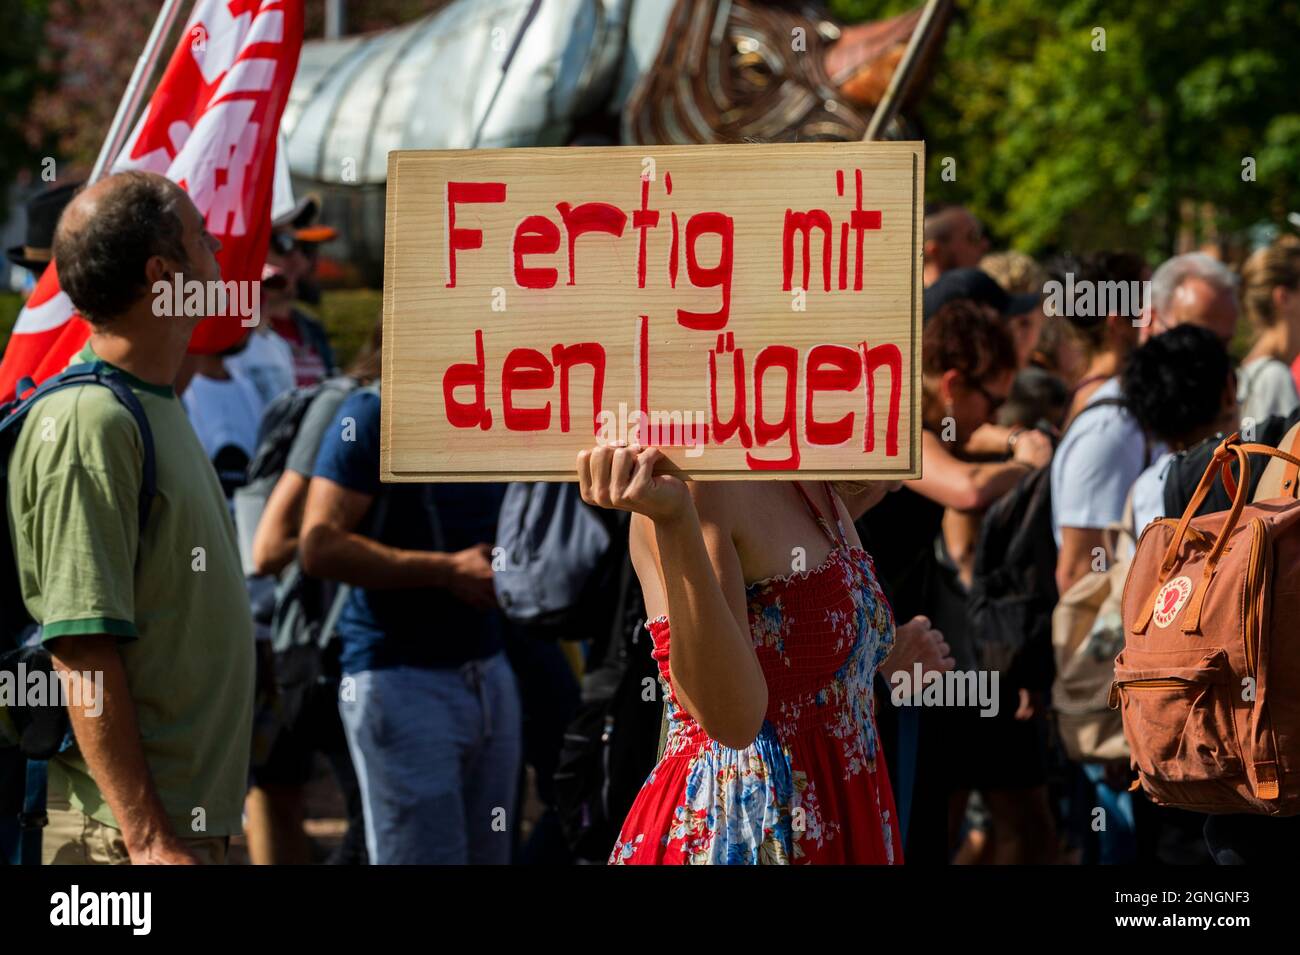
[1170, 600]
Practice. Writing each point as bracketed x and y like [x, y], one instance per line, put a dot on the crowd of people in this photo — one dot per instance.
[281, 606]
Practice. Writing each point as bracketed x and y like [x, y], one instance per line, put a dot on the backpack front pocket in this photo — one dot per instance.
[1177, 710]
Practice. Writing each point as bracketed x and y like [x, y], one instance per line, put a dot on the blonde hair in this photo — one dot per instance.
[1269, 267]
[1017, 273]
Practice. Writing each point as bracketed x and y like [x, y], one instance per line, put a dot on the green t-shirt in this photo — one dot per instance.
[174, 595]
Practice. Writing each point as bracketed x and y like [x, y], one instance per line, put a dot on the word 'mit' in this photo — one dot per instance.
[538, 239]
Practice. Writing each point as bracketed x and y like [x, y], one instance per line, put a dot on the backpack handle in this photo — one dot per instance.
[1229, 448]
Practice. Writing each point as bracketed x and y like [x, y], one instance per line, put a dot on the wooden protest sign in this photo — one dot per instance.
[754, 310]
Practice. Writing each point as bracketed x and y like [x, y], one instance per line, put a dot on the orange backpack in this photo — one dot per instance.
[1208, 682]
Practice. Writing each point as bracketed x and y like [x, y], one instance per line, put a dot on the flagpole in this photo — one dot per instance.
[529, 16]
[933, 19]
[129, 105]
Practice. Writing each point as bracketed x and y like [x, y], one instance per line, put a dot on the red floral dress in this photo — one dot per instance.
[812, 787]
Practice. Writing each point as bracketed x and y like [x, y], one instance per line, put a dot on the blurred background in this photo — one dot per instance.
[1175, 128]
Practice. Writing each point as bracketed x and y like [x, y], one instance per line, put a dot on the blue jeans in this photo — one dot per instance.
[437, 755]
[1117, 843]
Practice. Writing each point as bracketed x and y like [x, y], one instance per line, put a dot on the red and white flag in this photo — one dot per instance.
[211, 127]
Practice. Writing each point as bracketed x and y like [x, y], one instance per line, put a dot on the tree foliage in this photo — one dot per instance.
[1057, 143]
[66, 64]
[21, 28]
[86, 54]
[1061, 143]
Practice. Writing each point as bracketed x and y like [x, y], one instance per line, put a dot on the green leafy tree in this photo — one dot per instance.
[88, 48]
[68, 63]
[22, 25]
[1099, 123]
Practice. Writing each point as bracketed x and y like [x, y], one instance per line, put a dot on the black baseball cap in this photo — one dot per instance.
[978, 286]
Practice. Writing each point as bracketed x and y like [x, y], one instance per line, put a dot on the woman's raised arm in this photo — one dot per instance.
[714, 669]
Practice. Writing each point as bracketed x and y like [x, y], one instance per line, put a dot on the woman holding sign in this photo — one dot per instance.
[772, 754]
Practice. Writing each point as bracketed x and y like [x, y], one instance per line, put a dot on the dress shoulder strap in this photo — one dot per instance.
[836, 536]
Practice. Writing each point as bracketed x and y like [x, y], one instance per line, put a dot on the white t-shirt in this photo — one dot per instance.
[1149, 492]
[1100, 456]
[224, 413]
[1265, 387]
[266, 363]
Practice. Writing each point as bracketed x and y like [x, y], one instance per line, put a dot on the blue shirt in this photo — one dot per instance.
[424, 627]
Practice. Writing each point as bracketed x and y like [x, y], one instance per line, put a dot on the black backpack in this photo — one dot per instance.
[279, 427]
[281, 422]
[1013, 589]
[1013, 586]
[1187, 468]
[612, 744]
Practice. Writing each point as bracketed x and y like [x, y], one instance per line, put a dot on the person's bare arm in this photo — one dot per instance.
[1074, 558]
[276, 540]
[961, 534]
[712, 659]
[110, 744]
[967, 486]
[331, 548]
[988, 440]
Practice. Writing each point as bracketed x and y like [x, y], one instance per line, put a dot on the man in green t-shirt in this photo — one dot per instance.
[161, 613]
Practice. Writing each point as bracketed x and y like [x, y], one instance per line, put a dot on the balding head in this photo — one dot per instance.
[1195, 289]
[954, 239]
[111, 232]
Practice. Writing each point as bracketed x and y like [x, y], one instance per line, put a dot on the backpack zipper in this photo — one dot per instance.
[1164, 683]
[1267, 786]
[1161, 684]
[1253, 571]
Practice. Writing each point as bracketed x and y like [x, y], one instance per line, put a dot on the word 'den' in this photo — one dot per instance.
[769, 293]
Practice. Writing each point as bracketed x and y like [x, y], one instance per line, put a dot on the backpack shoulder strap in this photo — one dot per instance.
[149, 469]
[1113, 403]
[1292, 471]
[1036, 486]
[98, 373]
[1099, 403]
